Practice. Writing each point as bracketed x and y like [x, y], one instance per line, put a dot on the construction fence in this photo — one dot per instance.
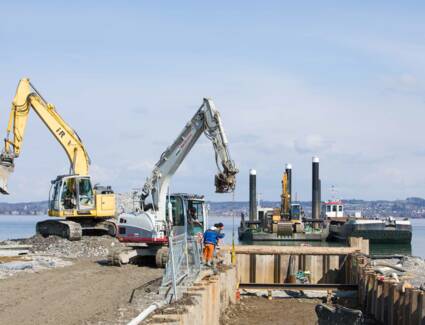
[184, 263]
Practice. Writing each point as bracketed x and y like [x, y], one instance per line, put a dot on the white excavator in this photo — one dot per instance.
[73, 198]
[146, 230]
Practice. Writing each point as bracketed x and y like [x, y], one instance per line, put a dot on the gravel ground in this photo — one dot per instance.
[68, 282]
[256, 310]
[53, 251]
[83, 293]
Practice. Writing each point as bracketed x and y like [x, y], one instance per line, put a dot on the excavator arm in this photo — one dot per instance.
[206, 120]
[26, 97]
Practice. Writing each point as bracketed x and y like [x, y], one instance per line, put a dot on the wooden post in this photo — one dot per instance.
[421, 308]
[399, 306]
[325, 268]
[355, 242]
[276, 270]
[361, 287]
[379, 296]
[406, 309]
[385, 301]
[252, 268]
[392, 300]
[365, 247]
[414, 311]
[373, 295]
[347, 267]
[369, 299]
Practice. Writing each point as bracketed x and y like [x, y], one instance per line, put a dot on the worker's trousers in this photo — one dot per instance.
[208, 252]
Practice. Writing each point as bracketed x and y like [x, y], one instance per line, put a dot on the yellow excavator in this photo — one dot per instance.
[77, 204]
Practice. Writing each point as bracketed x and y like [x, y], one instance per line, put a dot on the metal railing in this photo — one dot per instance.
[184, 262]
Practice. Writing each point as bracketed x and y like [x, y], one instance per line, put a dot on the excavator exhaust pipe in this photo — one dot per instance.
[6, 168]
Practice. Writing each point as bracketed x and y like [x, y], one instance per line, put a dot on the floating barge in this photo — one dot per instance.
[382, 231]
[287, 223]
[267, 230]
[385, 231]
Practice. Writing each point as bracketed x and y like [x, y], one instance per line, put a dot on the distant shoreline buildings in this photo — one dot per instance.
[412, 207]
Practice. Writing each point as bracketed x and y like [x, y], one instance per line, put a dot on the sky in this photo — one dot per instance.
[341, 80]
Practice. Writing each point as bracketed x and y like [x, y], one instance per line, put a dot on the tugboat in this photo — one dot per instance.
[388, 230]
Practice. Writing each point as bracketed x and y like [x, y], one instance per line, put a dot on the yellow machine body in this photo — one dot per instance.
[72, 195]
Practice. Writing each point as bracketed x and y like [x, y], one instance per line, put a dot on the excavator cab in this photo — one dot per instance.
[188, 208]
[74, 196]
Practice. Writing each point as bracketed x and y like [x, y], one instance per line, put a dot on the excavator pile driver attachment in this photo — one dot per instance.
[225, 182]
[6, 168]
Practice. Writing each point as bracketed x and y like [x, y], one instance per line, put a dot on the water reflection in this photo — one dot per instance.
[390, 249]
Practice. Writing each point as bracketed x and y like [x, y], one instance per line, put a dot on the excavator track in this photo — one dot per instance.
[63, 228]
[125, 255]
[161, 257]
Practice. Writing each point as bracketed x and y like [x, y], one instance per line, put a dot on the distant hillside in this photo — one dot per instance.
[24, 208]
[412, 207]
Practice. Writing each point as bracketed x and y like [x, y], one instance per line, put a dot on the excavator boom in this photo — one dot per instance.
[26, 97]
[152, 223]
[72, 196]
[206, 120]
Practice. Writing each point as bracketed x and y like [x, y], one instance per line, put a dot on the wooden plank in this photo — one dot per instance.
[290, 250]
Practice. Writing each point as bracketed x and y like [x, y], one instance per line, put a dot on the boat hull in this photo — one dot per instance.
[253, 235]
[377, 232]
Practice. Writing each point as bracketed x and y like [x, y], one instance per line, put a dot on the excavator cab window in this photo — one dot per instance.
[198, 211]
[177, 210]
[55, 195]
[68, 197]
[85, 194]
[195, 216]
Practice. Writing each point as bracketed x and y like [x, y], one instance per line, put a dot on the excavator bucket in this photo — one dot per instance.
[5, 170]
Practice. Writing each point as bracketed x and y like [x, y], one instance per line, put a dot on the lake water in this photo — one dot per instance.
[417, 247]
[24, 226]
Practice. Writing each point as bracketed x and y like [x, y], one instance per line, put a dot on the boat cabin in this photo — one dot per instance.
[333, 209]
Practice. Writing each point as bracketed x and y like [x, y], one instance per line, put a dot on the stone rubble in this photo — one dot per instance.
[87, 247]
[53, 251]
[126, 202]
[413, 265]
